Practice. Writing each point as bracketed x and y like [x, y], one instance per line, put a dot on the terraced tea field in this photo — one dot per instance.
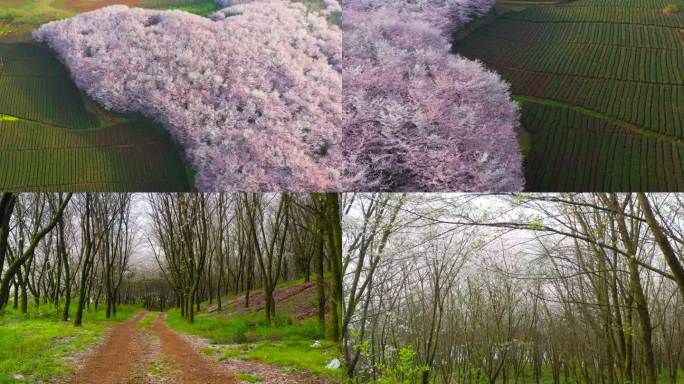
[53, 138]
[601, 85]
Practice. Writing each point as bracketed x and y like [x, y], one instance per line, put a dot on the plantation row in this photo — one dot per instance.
[587, 33]
[36, 157]
[35, 86]
[604, 62]
[24, 136]
[24, 59]
[596, 155]
[614, 13]
[613, 73]
[51, 100]
[653, 107]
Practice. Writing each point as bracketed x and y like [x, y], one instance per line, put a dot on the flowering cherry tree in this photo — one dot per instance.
[415, 116]
[253, 93]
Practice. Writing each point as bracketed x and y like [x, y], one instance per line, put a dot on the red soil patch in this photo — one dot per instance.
[256, 300]
[670, 10]
[121, 359]
[190, 367]
[90, 5]
[305, 314]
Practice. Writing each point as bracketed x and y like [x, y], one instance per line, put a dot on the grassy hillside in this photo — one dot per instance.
[36, 346]
[242, 332]
[601, 88]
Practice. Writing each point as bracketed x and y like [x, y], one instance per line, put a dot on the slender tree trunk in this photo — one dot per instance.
[320, 283]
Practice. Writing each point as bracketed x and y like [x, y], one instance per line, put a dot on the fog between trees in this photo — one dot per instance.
[98, 250]
[513, 288]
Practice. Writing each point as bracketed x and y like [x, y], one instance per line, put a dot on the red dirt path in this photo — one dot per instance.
[127, 352]
[121, 359]
[189, 365]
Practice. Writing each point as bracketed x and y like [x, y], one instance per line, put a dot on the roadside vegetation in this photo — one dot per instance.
[37, 345]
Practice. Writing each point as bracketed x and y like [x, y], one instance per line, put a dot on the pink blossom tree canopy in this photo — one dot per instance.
[416, 117]
[253, 94]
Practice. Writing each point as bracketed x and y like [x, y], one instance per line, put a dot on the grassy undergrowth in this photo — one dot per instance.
[146, 321]
[527, 377]
[33, 345]
[284, 342]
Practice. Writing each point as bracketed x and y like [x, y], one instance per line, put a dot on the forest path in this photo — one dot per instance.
[188, 365]
[157, 355]
[122, 358]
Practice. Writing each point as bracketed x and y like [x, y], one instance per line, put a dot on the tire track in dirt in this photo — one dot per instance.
[122, 358]
[188, 365]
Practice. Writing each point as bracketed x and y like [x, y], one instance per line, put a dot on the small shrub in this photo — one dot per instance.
[404, 370]
[249, 378]
[240, 335]
[8, 15]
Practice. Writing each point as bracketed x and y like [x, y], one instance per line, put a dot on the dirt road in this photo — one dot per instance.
[122, 358]
[131, 354]
[188, 364]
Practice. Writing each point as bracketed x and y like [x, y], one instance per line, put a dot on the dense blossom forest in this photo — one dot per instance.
[253, 93]
[417, 117]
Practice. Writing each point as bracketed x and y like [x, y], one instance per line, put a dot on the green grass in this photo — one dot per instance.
[146, 322]
[34, 345]
[292, 351]
[33, 11]
[619, 76]
[5, 27]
